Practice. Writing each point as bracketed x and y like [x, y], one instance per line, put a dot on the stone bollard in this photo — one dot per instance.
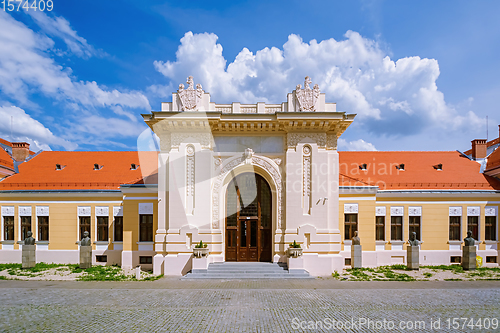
[85, 251]
[469, 253]
[356, 252]
[138, 272]
[412, 252]
[412, 257]
[29, 252]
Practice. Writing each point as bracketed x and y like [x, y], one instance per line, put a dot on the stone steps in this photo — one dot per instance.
[247, 270]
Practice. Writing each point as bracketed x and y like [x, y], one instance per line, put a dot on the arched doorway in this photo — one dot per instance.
[248, 219]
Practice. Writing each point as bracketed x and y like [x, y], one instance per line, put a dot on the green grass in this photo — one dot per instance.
[336, 275]
[428, 275]
[102, 273]
[453, 279]
[454, 268]
[3, 267]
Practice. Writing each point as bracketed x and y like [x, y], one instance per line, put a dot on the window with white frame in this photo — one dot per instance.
[490, 224]
[455, 217]
[8, 223]
[397, 223]
[118, 224]
[84, 215]
[102, 216]
[25, 221]
[350, 220]
[380, 223]
[42, 216]
[473, 214]
[145, 222]
[414, 223]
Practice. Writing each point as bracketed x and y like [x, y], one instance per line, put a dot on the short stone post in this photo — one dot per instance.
[85, 251]
[138, 272]
[29, 252]
[412, 252]
[469, 253]
[356, 252]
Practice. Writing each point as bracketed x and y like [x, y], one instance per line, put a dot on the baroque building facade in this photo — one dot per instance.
[248, 180]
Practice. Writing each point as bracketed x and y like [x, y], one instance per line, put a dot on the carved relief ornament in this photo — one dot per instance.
[190, 97]
[204, 138]
[307, 97]
[292, 139]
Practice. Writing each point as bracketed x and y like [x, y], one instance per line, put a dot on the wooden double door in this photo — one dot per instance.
[249, 219]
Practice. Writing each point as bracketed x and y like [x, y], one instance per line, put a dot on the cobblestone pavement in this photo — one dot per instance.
[172, 305]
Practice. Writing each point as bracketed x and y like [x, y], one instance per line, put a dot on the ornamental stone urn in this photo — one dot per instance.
[200, 252]
[294, 252]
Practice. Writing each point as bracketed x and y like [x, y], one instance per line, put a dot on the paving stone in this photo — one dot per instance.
[174, 305]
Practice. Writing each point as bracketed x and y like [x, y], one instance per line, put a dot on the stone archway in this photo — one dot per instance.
[271, 171]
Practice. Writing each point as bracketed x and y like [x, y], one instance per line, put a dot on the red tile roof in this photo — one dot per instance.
[419, 173]
[493, 165]
[458, 173]
[6, 160]
[78, 170]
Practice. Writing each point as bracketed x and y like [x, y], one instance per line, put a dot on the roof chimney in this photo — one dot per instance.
[20, 151]
[478, 148]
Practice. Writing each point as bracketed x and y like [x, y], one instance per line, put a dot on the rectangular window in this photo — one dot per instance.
[102, 228]
[414, 226]
[454, 234]
[397, 228]
[43, 228]
[473, 225]
[145, 260]
[380, 228]
[25, 226]
[85, 225]
[146, 228]
[350, 225]
[8, 228]
[490, 228]
[118, 229]
[101, 258]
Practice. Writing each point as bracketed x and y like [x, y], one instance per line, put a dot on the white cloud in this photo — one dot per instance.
[25, 128]
[26, 67]
[58, 26]
[358, 145]
[391, 97]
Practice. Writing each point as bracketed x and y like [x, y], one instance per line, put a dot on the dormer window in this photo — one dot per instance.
[438, 167]
[363, 166]
[60, 167]
[400, 167]
[133, 166]
[97, 166]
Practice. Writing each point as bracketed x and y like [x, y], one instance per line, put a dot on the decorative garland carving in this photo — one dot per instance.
[190, 180]
[265, 163]
[204, 138]
[306, 179]
[292, 139]
[331, 141]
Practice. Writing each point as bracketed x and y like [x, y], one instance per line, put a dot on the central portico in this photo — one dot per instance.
[248, 179]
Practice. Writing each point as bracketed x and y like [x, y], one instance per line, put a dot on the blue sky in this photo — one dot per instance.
[421, 75]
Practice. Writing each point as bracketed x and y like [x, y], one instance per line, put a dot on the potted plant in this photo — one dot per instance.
[294, 251]
[200, 250]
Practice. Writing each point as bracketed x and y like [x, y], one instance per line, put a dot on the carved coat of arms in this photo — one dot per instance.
[307, 97]
[190, 97]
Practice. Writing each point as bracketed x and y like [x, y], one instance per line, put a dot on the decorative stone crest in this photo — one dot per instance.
[190, 97]
[102, 211]
[42, 211]
[490, 211]
[397, 211]
[473, 211]
[307, 97]
[24, 210]
[8, 211]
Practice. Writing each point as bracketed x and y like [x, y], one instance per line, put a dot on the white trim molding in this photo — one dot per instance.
[24, 210]
[455, 211]
[7, 210]
[351, 208]
[101, 211]
[84, 211]
[490, 211]
[118, 211]
[414, 211]
[397, 211]
[380, 211]
[42, 211]
[473, 211]
[145, 208]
